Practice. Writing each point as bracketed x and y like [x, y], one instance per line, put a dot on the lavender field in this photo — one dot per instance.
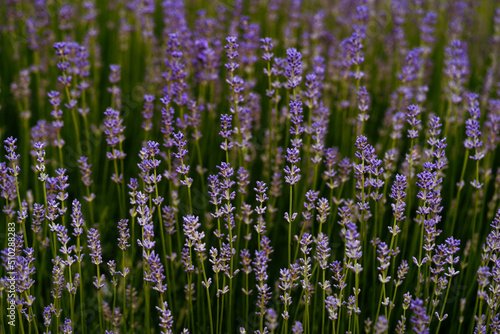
[250, 166]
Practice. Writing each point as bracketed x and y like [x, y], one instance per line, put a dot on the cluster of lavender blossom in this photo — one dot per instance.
[260, 166]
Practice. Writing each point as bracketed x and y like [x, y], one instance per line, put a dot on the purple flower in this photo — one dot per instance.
[147, 113]
[296, 118]
[191, 226]
[363, 104]
[264, 291]
[10, 147]
[76, 219]
[420, 320]
[313, 90]
[352, 52]
[427, 28]
[114, 137]
[166, 318]
[124, 234]
[167, 121]
[149, 163]
[47, 315]
[155, 274]
[293, 71]
[226, 132]
[232, 53]
[492, 126]
[94, 244]
[62, 185]
[331, 304]
[323, 210]
[472, 128]
[297, 328]
[322, 250]
[267, 46]
[86, 171]
[398, 194]
[183, 169]
[353, 246]
[57, 278]
[331, 159]
[292, 173]
[409, 71]
[67, 327]
[402, 271]
[38, 217]
[384, 259]
[456, 68]
[412, 119]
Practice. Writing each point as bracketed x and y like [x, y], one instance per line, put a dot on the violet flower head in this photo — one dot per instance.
[362, 16]
[114, 137]
[57, 278]
[40, 158]
[384, 259]
[267, 46]
[155, 274]
[353, 244]
[472, 128]
[352, 51]
[114, 74]
[168, 214]
[293, 71]
[296, 112]
[331, 159]
[232, 53]
[166, 318]
[147, 112]
[38, 218]
[76, 218]
[456, 68]
[149, 162]
[297, 328]
[214, 192]
[190, 226]
[226, 172]
[323, 251]
[167, 121]
[24, 271]
[398, 193]
[331, 304]
[124, 234]
[363, 104]
[67, 327]
[54, 99]
[183, 169]
[410, 70]
[226, 132]
[243, 180]
[147, 242]
[10, 147]
[292, 173]
[323, 210]
[62, 185]
[85, 170]
[47, 315]
[492, 126]
[264, 291]
[313, 90]
[427, 28]
[420, 320]
[94, 244]
[412, 119]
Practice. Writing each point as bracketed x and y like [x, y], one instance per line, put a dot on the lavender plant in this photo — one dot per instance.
[249, 166]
